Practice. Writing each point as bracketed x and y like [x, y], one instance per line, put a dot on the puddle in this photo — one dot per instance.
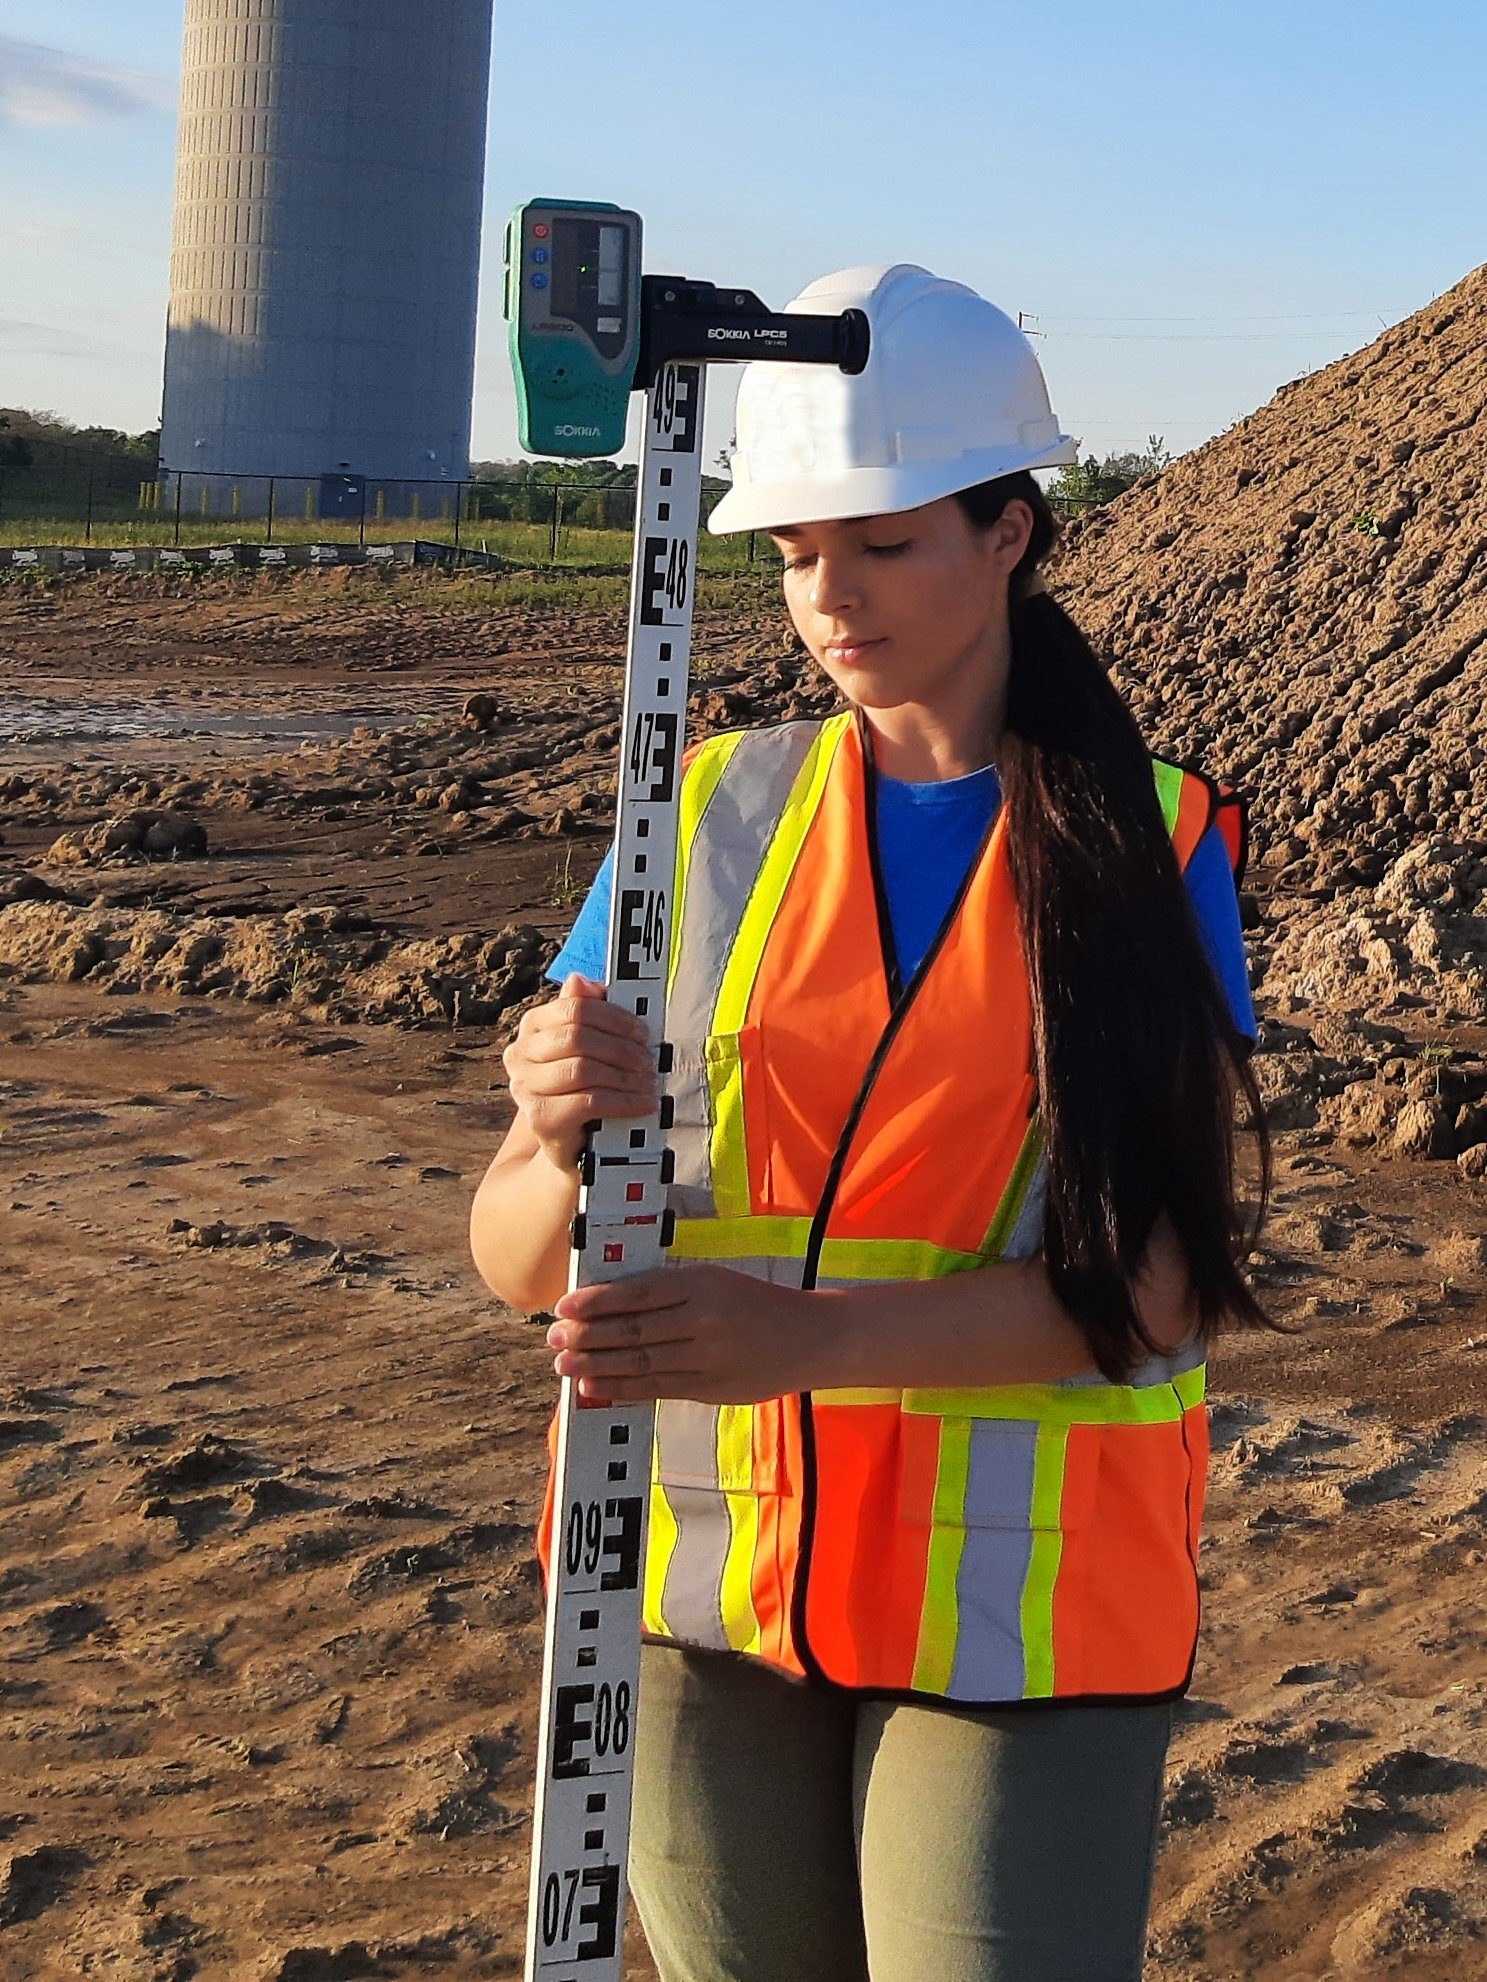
[27, 720]
[56, 721]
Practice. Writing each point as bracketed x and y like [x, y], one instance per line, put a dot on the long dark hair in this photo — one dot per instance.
[1137, 1055]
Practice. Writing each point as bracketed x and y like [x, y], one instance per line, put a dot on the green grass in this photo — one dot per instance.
[526, 545]
[435, 588]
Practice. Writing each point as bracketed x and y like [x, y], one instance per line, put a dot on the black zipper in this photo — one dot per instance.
[887, 942]
[901, 997]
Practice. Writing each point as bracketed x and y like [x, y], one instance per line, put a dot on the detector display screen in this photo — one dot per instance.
[590, 279]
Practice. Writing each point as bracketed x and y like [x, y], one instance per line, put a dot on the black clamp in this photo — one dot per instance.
[698, 321]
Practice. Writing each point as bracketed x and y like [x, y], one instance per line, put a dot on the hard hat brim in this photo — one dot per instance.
[884, 491]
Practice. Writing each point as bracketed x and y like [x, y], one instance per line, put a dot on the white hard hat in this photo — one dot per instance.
[952, 395]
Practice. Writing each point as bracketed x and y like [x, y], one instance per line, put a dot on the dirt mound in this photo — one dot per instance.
[314, 960]
[131, 837]
[1301, 606]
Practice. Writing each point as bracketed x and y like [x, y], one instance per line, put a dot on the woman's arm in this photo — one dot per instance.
[572, 1061]
[717, 1336]
[519, 1222]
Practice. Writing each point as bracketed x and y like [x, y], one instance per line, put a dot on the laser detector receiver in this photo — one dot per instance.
[573, 303]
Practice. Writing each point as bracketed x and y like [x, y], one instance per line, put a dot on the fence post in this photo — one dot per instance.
[268, 535]
[88, 527]
[459, 511]
[361, 528]
[177, 537]
[557, 511]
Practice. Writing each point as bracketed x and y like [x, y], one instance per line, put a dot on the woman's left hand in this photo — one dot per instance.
[700, 1332]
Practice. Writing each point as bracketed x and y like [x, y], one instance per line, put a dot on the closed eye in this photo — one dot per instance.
[805, 559]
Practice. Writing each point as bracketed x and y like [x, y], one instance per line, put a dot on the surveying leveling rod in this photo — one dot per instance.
[586, 331]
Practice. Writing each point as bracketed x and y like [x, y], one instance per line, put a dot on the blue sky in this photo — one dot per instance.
[1193, 200]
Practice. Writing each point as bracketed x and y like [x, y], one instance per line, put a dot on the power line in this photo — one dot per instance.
[1223, 316]
[1181, 337]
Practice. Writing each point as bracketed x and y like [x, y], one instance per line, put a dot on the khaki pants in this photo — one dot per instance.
[789, 1833]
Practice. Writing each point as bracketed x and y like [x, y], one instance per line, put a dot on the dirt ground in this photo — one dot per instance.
[270, 1457]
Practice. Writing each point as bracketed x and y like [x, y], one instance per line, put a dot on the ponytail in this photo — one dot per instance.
[1136, 1053]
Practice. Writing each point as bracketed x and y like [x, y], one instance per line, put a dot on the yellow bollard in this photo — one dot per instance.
[416, 511]
[310, 505]
[381, 504]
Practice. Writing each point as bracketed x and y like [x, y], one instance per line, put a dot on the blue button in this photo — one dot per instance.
[539, 281]
[540, 256]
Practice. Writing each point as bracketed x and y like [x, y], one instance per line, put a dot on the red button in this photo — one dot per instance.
[634, 1193]
[541, 231]
[613, 1255]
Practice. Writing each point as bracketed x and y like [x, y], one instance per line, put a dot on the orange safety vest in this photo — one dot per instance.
[1022, 1542]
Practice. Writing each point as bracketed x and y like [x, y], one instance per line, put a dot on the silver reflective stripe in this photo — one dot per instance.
[732, 838]
[733, 835]
[687, 1443]
[1166, 1369]
[778, 1272]
[690, 1139]
[989, 1662]
[687, 1466]
[1148, 1375]
[1027, 1234]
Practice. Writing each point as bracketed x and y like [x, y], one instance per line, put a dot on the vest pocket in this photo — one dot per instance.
[987, 1524]
[716, 1512]
[721, 1448]
[974, 1473]
[708, 1140]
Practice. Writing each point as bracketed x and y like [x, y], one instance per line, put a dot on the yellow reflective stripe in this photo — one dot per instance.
[736, 1592]
[1014, 1197]
[1191, 1385]
[774, 875]
[892, 1259]
[1047, 1550]
[1072, 1404]
[736, 1448]
[859, 1396]
[703, 777]
[736, 1479]
[939, 1615]
[775, 1237]
[740, 1238]
[1169, 790]
[728, 1146]
[661, 1542]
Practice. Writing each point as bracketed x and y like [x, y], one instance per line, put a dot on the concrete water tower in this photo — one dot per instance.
[326, 249]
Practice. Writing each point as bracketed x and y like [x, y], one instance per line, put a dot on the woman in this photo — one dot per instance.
[958, 1007]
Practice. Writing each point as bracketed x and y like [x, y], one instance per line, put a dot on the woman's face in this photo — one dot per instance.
[909, 608]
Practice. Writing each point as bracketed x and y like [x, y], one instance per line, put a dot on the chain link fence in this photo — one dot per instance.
[70, 498]
[79, 500]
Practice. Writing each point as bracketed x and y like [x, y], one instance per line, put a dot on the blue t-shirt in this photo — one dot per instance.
[928, 835]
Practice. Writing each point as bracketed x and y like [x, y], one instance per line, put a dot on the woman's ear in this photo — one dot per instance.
[1010, 535]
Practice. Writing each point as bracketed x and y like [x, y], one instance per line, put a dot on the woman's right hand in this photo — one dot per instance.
[577, 1060]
